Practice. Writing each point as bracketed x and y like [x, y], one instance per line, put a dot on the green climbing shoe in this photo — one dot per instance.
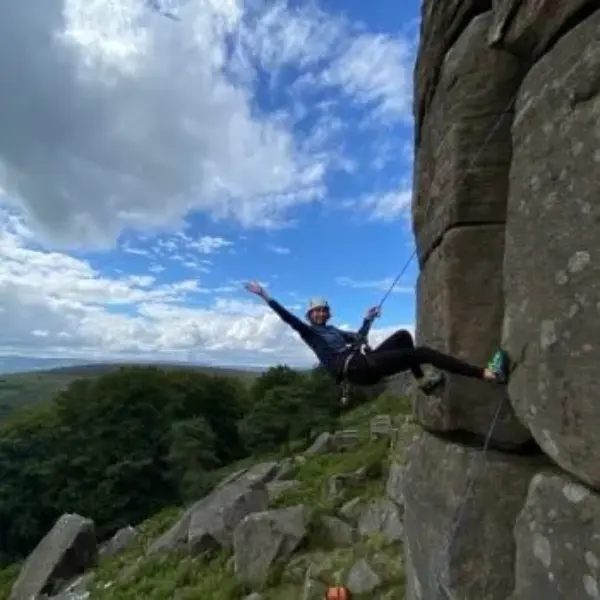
[432, 383]
[499, 366]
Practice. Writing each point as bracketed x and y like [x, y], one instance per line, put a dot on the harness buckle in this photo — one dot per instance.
[359, 347]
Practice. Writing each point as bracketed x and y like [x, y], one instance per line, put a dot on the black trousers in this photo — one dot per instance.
[397, 354]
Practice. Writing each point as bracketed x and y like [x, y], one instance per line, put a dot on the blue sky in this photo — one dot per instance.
[168, 161]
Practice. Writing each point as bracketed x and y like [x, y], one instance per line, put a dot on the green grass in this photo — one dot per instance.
[8, 576]
[134, 576]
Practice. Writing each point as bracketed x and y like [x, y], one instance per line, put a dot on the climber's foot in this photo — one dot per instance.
[497, 369]
[432, 383]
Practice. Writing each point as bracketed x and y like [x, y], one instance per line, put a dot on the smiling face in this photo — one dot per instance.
[319, 315]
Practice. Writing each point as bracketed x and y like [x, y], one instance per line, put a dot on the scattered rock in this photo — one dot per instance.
[119, 542]
[380, 426]
[265, 538]
[67, 550]
[231, 478]
[276, 488]
[261, 473]
[325, 570]
[337, 484]
[381, 516]
[338, 532]
[362, 579]
[285, 469]
[352, 509]
[320, 445]
[209, 523]
[211, 526]
[345, 439]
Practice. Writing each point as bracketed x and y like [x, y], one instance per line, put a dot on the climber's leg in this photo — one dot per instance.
[381, 364]
[401, 340]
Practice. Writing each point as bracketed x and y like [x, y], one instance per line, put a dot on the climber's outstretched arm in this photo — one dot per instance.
[284, 314]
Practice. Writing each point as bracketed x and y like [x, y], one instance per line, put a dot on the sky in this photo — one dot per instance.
[149, 166]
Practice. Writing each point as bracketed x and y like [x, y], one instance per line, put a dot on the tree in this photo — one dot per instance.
[221, 401]
[192, 455]
[279, 376]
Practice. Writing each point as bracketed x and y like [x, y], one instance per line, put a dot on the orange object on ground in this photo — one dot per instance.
[338, 593]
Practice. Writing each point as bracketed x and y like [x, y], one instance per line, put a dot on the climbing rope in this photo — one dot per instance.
[480, 461]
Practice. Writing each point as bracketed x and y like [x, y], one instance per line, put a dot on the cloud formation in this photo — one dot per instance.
[118, 118]
[118, 122]
[52, 304]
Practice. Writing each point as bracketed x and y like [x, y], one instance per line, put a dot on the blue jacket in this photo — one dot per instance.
[330, 344]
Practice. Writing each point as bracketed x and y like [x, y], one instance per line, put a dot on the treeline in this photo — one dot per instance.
[122, 446]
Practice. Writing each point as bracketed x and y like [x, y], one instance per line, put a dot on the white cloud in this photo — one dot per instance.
[376, 70]
[120, 118]
[279, 249]
[117, 121]
[205, 244]
[389, 206]
[374, 284]
[52, 304]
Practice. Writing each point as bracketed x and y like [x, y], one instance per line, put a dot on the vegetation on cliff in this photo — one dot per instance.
[124, 446]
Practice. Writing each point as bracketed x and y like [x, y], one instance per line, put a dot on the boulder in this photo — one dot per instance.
[261, 473]
[337, 532]
[264, 539]
[208, 524]
[277, 488]
[380, 426]
[459, 544]
[528, 28]
[381, 516]
[441, 23]
[119, 542]
[345, 439]
[362, 579]
[211, 527]
[67, 550]
[341, 483]
[552, 261]
[557, 542]
[320, 445]
[351, 510]
[463, 159]
[460, 303]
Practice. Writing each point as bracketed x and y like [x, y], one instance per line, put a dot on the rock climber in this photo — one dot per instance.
[337, 349]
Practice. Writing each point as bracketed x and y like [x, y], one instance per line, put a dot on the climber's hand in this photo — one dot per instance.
[255, 288]
[373, 313]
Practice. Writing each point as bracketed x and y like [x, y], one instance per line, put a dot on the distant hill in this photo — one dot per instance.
[22, 364]
[26, 388]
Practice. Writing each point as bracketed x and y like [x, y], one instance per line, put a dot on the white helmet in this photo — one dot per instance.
[316, 303]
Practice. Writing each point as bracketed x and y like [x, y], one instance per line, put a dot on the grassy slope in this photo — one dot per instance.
[193, 578]
[20, 390]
